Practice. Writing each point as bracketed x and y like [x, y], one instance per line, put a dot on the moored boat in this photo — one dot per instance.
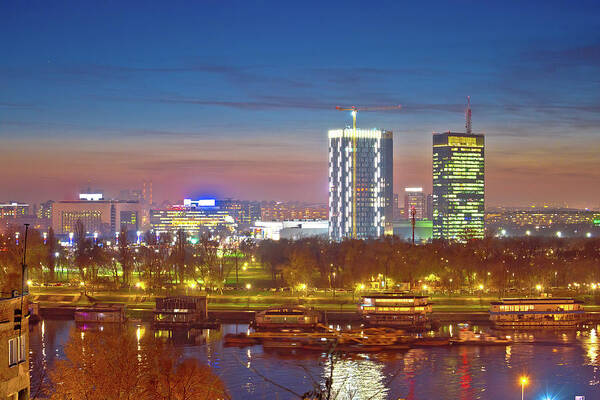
[537, 313]
[397, 310]
[100, 313]
[467, 336]
[287, 317]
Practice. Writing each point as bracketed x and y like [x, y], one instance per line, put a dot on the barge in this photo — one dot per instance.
[537, 313]
[100, 313]
[398, 310]
[298, 317]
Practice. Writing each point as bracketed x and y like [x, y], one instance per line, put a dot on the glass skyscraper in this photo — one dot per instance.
[458, 186]
[360, 183]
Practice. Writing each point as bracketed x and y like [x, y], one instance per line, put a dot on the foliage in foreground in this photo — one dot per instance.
[114, 365]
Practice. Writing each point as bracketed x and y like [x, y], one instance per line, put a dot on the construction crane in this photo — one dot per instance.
[354, 110]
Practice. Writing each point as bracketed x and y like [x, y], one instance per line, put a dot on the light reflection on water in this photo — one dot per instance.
[567, 364]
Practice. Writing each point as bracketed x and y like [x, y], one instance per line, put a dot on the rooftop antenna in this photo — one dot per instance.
[468, 116]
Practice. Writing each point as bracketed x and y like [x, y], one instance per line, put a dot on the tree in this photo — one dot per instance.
[94, 370]
[125, 257]
[51, 250]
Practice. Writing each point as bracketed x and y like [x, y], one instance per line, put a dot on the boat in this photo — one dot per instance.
[240, 339]
[467, 336]
[557, 312]
[183, 312]
[431, 342]
[100, 313]
[398, 310]
[298, 317]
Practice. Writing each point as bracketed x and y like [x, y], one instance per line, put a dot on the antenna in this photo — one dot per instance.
[468, 116]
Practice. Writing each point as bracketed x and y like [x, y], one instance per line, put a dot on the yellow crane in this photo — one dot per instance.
[354, 110]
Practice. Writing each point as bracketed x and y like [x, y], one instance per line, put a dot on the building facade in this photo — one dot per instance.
[414, 198]
[458, 186]
[289, 211]
[244, 212]
[193, 218]
[103, 216]
[360, 183]
[14, 349]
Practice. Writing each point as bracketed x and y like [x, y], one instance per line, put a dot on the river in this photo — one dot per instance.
[567, 364]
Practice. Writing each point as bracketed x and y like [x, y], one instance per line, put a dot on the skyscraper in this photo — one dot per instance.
[458, 185]
[360, 183]
[414, 198]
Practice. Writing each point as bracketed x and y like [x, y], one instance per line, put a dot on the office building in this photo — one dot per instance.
[458, 186]
[103, 216]
[291, 230]
[194, 217]
[360, 183]
[245, 213]
[414, 198]
[13, 210]
[289, 211]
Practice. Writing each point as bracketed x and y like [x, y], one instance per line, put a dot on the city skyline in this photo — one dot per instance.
[170, 94]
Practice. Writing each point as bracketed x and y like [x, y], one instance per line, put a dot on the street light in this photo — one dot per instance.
[248, 286]
[524, 381]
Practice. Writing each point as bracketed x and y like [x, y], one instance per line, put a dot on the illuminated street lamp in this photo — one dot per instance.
[528, 233]
[559, 234]
[523, 381]
[588, 235]
[248, 286]
[538, 287]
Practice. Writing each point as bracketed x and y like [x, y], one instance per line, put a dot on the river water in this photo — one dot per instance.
[566, 364]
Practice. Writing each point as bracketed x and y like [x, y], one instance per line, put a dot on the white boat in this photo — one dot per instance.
[397, 310]
[537, 313]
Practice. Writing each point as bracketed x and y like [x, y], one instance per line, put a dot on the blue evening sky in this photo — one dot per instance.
[235, 98]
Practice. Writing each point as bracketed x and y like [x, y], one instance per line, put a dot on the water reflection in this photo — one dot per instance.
[568, 362]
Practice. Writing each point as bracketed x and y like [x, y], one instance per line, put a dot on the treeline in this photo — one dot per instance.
[176, 260]
[160, 262]
[491, 263]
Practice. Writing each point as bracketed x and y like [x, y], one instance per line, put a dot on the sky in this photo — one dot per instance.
[234, 98]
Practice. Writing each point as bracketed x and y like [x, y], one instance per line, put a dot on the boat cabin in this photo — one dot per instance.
[537, 312]
[101, 313]
[287, 317]
[184, 311]
[396, 309]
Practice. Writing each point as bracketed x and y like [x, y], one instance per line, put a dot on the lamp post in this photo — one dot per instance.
[524, 381]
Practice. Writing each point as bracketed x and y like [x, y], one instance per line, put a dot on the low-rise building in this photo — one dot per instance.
[292, 230]
[14, 349]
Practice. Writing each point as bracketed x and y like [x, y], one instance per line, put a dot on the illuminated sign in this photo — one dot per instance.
[199, 203]
[91, 196]
[413, 189]
[597, 222]
[462, 141]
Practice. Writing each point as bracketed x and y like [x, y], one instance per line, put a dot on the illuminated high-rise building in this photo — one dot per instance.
[458, 186]
[360, 183]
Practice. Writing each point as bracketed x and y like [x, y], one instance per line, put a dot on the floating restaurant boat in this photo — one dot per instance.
[182, 312]
[287, 317]
[100, 313]
[396, 310]
[537, 313]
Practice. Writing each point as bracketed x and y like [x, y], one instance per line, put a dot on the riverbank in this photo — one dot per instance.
[62, 302]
